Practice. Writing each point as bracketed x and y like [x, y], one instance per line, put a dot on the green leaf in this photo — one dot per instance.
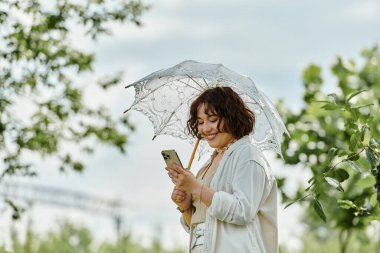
[331, 181]
[334, 183]
[312, 78]
[368, 181]
[77, 166]
[354, 94]
[289, 204]
[362, 106]
[373, 143]
[346, 204]
[311, 180]
[354, 140]
[373, 199]
[319, 209]
[354, 112]
[371, 158]
[308, 188]
[330, 155]
[352, 124]
[342, 152]
[353, 157]
[374, 217]
[109, 81]
[341, 175]
[331, 107]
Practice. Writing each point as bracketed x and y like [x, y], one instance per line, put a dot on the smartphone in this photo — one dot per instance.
[171, 155]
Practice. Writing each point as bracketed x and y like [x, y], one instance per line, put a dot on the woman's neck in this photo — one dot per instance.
[223, 149]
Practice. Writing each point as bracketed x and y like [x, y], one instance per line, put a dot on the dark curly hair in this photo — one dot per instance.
[237, 118]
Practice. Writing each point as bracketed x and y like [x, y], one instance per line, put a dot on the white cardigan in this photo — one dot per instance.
[243, 214]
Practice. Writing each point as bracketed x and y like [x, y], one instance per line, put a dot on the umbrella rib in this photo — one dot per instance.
[196, 82]
[169, 118]
[171, 115]
[205, 81]
[188, 85]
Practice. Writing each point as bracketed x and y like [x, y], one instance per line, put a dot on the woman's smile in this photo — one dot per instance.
[210, 137]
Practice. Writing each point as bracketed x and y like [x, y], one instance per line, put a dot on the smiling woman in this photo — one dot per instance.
[220, 103]
[231, 204]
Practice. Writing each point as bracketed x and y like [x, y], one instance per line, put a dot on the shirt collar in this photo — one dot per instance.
[236, 144]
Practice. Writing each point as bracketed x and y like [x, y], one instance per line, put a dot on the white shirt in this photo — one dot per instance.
[243, 214]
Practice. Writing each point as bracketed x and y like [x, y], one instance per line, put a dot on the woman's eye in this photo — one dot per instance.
[199, 123]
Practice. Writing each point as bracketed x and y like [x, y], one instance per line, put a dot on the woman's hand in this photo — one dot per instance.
[181, 199]
[183, 179]
[186, 182]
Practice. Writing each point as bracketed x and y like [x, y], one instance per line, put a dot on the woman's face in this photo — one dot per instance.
[208, 128]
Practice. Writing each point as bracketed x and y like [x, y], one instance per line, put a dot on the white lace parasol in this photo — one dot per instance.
[165, 97]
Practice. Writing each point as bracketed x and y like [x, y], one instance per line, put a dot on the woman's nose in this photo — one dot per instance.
[206, 127]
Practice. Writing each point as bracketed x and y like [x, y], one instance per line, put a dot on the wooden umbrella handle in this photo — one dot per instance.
[193, 154]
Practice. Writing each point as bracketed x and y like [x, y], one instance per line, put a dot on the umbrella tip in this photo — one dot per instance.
[128, 110]
[154, 137]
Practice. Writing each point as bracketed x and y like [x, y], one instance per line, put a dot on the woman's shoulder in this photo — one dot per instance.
[248, 151]
[246, 148]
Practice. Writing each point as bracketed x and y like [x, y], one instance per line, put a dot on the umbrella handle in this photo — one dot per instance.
[193, 154]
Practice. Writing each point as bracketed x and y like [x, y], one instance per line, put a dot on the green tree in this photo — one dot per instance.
[312, 243]
[67, 239]
[39, 64]
[336, 137]
[70, 238]
[359, 243]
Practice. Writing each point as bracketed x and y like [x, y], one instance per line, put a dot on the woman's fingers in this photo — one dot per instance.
[183, 179]
[176, 167]
[179, 193]
[172, 174]
[178, 196]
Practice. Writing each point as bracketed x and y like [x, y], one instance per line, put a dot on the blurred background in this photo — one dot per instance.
[78, 175]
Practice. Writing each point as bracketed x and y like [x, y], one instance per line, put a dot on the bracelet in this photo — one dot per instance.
[182, 211]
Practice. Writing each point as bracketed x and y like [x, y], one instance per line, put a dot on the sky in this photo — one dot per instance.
[270, 41]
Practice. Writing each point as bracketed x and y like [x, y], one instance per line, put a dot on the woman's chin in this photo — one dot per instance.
[212, 144]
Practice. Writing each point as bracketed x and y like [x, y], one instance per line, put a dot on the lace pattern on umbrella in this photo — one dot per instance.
[165, 97]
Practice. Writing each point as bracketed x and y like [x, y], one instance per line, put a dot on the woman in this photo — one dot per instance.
[231, 205]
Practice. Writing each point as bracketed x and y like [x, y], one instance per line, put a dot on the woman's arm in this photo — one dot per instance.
[184, 202]
[241, 201]
[187, 214]
[203, 193]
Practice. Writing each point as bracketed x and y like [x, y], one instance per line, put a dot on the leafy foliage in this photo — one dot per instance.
[70, 238]
[336, 136]
[312, 243]
[41, 105]
[359, 243]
